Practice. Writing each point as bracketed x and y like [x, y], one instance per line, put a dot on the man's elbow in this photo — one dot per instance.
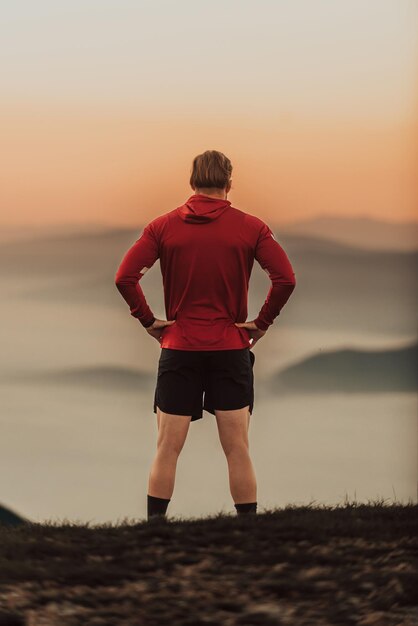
[288, 280]
[121, 279]
[291, 284]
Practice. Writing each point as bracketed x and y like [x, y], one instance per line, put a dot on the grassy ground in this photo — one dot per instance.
[350, 564]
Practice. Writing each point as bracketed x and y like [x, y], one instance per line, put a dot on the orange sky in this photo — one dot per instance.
[105, 105]
[127, 169]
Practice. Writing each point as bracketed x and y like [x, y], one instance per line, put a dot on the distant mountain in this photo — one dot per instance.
[338, 285]
[110, 378]
[34, 231]
[76, 254]
[351, 370]
[363, 232]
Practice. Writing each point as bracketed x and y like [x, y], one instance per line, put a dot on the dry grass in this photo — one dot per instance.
[350, 564]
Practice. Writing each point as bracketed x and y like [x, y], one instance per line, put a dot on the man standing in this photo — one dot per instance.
[206, 249]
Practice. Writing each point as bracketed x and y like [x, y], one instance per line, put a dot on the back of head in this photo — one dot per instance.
[211, 171]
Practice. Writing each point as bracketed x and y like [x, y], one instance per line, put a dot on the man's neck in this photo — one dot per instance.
[212, 195]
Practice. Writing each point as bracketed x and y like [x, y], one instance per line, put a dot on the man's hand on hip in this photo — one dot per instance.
[254, 332]
[155, 330]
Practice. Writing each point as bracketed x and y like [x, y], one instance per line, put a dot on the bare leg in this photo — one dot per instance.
[172, 433]
[233, 434]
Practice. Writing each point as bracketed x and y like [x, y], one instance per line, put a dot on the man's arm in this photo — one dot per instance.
[139, 258]
[275, 262]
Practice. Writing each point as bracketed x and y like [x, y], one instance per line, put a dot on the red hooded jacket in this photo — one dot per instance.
[206, 249]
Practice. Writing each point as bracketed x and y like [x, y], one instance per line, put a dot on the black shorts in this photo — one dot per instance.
[189, 381]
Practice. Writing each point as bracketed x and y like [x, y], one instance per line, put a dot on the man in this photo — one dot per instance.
[206, 249]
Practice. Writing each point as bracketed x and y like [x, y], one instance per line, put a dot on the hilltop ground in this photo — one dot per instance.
[352, 564]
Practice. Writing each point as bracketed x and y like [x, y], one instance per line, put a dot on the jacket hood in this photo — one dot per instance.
[200, 209]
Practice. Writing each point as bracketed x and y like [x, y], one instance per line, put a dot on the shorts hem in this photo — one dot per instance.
[174, 412]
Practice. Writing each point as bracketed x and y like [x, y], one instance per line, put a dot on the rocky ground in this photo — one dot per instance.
[354, 564]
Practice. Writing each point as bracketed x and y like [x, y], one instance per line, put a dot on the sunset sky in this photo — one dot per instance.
[105, 103]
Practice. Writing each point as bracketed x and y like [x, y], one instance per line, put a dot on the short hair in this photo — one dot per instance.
[210, 169]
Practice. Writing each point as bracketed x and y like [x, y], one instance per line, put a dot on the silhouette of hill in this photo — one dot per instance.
[339, 286]
[364, 232]
[10, 518]
[67, 254]
[103, 377]
[351, 370]
[300, 565]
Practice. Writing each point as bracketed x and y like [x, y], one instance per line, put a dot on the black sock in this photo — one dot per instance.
[246, 507]
[157, 506]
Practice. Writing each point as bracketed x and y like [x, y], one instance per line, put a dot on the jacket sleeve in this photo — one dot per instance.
[274, 261]
[138, 260]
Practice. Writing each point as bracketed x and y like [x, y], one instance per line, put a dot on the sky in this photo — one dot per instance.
[105, 103]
